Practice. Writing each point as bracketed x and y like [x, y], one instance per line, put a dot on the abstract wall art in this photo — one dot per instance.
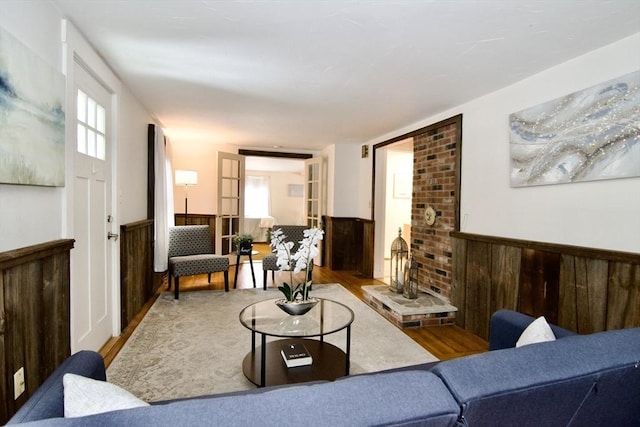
[592, 134]
[31, 117]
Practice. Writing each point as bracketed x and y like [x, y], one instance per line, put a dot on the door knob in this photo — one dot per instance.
[113, 236]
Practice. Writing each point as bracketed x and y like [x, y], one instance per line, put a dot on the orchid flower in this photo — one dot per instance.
[297, 262]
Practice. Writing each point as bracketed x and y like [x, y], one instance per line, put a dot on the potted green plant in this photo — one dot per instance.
[244, 243]
[296, 296]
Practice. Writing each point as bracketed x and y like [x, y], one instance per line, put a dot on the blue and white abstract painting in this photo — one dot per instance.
[31, 117]
[589, 135]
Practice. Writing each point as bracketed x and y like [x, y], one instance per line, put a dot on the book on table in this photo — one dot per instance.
[296, 354]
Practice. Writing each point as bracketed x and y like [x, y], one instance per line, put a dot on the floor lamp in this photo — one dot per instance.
[186, 178]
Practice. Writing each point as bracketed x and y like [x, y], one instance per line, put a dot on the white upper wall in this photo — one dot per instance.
[347, 163]
[31, 215]
[132, 159]
[600, 214]
[202, 157]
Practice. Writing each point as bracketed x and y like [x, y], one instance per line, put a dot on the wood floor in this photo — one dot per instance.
[444, 342]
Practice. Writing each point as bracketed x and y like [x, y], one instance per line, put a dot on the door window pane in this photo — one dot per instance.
[100, 122]
[82, 139]
[91, 127]
[82, 106]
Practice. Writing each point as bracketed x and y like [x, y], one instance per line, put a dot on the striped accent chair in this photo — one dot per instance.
[292, 233]
[191, 252]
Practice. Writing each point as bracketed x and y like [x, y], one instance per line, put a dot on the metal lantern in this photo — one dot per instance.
[410, 279]
[399, 254]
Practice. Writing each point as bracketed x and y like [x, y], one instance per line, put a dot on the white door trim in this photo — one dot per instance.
[223, 236]
[76, 49]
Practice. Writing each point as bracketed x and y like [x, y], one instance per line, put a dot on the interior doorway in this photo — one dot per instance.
[394, 188]
[276, 186]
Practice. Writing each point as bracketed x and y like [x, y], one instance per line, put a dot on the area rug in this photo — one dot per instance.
[195, 345]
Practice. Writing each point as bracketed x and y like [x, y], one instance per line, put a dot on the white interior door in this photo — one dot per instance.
[314, 196]
[91, 296]
[230, 201]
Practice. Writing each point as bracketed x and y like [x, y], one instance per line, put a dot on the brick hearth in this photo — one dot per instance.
[426, 310]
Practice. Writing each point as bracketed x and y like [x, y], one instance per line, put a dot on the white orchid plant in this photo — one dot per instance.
[297, 262]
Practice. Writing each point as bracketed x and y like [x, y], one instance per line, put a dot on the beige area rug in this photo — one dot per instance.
[196, 345]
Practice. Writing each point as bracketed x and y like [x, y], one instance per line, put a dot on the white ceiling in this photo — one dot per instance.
[306, 74]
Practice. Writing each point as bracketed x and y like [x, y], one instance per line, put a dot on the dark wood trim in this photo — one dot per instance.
[580, 251]
[31, 253]
[257, 153]
[133, 226]
[457, 119]
[151, 171]
[458, 172]
[423, 130]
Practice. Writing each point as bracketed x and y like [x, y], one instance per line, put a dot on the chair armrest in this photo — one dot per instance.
[48, 399]
[506, 327]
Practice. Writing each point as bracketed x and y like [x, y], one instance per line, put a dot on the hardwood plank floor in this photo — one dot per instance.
[444, 342]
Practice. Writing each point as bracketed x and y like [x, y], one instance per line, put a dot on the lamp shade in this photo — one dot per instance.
[184, 177]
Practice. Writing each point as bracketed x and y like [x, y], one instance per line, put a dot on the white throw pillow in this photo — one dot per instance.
[538, 331]
[86, 396]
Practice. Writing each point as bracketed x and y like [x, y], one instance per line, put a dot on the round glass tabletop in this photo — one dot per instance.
[325, 318]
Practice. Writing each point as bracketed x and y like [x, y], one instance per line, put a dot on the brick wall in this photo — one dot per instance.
[435, 183]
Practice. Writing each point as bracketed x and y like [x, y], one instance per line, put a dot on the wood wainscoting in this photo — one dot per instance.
[348, 244]
[138, 283]
[34, 317]
[582, 289]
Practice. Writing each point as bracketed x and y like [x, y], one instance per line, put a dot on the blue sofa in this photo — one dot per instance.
[581, 380]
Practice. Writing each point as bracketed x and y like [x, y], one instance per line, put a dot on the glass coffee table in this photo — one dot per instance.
[264, 365]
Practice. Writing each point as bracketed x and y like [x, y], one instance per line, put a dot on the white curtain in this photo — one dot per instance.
[257, 198]
[163, 197]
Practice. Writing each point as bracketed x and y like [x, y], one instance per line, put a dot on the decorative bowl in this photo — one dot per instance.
[296, 308]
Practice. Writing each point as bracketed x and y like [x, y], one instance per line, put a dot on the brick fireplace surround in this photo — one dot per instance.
[435, 183]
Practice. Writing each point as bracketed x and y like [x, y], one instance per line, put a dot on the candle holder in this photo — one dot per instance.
[410, 289]
[399, 253]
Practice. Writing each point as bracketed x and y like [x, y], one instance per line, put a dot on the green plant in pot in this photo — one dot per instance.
[296, 295]
[244, 242]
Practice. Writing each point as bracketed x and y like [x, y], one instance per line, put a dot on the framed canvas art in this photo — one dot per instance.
[588, 135]
[31, 117]
[296, 190]
[402, 185]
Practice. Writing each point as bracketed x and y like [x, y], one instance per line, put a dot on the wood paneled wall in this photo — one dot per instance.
[582, 289]
[137, 280]
[34, 317]
[348, 244]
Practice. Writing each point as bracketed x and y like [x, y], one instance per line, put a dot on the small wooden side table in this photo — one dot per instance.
[248, 251]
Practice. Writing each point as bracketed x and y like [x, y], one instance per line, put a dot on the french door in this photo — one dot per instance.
[230, 201]
[314, 196]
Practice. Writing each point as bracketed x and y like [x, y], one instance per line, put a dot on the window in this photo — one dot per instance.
[257, 197]
[91, 127]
